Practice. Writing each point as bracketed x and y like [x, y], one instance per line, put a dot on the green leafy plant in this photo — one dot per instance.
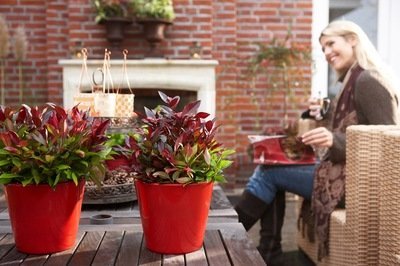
[282, 63]
[178, 147]
[49, 145]
[106, 9]
[156, 9]
[120, 144]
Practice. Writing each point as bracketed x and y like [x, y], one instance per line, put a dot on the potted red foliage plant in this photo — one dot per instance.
[176, 161]
[46, 154]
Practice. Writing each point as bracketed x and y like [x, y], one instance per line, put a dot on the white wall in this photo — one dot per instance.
[320, 67]
[389, 33]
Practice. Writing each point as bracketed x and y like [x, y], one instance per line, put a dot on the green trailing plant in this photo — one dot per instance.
[153, 9]
[281, 62]
[4, 51]
[20, 51]
[50, 145]
[106, 9]
[178, 146]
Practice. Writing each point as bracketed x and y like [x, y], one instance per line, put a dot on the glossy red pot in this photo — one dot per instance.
[118, 162]
[174, 216]
[44, 220]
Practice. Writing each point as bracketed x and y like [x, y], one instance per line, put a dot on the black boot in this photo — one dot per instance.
[250, 208]
[271, 231]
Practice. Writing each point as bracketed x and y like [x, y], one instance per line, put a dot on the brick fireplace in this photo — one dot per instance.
[226, 31]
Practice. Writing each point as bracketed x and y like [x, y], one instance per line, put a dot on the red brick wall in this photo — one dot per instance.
[260, 21]
[226, 30]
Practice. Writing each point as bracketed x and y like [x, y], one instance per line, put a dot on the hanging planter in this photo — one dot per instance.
[154, 33]
[40, 223]
[174, 216]
[115, 30]
[155, 16]
[115, 15]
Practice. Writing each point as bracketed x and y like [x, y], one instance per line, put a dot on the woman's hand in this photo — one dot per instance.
[318, 137]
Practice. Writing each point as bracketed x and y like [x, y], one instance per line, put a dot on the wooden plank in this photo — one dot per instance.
[223, 213]
[114, 213]
[129, 227]
[130, 249]
[6, 244]
[168, 260]
[240, 248]
[108, 250]
[5, 229]
[148, 258]
[87, 249]
[62, 258]
[14, 257]
[196, 258]
[111, 227]
[135, 214]
[33, 260]
[215, 249]
[219, 199]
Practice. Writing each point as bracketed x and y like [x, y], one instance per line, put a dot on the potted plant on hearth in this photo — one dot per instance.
[281, 63]
[155, 16]
[115, 15]
[46, 154]
[176, 161]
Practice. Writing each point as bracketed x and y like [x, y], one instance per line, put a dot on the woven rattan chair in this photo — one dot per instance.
[389, 203]
[363, 233]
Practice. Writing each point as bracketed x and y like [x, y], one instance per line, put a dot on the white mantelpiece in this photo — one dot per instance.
[192, 75]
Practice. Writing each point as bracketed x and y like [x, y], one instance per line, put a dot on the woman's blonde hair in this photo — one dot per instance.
[366, 54]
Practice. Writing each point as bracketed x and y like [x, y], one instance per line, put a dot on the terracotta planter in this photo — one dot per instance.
[115, 32]
[269, 150]
[44, 220]
[154, 32]
[174, 217]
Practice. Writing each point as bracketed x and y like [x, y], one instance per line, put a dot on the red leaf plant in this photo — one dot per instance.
[50, 145]
[178, 147]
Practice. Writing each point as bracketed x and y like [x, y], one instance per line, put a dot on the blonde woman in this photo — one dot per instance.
[367, 97]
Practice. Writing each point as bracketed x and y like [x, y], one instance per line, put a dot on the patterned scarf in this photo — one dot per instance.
[329, 179]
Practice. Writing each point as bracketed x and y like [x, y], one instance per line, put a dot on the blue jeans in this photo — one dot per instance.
[267, 180]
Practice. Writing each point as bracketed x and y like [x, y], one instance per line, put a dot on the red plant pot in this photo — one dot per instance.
[117, 163]
[44, 220]
[174, 216]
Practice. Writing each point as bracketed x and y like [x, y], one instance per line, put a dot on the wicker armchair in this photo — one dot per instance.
[368, 231]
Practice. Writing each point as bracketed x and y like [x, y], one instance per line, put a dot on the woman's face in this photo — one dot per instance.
[338, 52]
